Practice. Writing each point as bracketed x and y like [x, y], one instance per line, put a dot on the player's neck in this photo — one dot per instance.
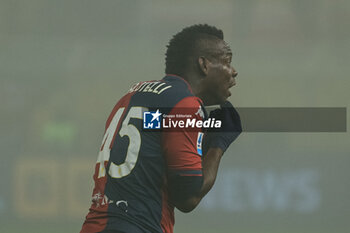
[195, 82]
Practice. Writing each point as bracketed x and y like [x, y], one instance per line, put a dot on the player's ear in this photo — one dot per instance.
[203, 65]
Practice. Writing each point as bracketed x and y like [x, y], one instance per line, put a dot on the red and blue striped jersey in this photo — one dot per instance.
[131, 191]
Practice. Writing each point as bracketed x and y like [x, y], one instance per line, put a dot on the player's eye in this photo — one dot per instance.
[228, 60]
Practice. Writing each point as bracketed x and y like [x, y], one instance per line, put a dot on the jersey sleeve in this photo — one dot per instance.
[182, 148]
[182, 144]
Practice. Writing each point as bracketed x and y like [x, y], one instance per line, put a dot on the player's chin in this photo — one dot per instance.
[226, 95]
[220, 98]
[223, 99]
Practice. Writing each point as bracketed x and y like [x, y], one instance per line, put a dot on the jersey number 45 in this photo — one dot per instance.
[126, 129]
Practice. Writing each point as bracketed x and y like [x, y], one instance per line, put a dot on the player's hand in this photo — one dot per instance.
[231, 128]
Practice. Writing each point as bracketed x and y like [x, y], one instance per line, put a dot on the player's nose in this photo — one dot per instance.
[234, 72]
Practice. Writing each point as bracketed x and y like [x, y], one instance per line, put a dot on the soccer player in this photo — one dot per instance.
[142, 175]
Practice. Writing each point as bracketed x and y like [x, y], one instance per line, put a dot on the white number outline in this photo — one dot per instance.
[127, 129]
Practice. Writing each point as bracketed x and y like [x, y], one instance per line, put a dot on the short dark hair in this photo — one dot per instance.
[183, 45]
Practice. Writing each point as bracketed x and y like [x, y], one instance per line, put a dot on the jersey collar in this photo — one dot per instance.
[182, 79]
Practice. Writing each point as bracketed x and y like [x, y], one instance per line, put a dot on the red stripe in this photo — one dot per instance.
[180, 147]
[96, 219]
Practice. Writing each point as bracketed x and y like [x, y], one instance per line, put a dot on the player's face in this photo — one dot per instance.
[221, 76]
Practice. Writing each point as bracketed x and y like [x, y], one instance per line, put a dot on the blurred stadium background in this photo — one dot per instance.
[64, 64]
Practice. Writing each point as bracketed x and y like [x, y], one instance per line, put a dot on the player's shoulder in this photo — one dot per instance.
[168, 92]
[179, 92]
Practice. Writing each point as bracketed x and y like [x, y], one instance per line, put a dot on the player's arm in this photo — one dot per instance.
[187, 203]
[215, 143]
[190, 178]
